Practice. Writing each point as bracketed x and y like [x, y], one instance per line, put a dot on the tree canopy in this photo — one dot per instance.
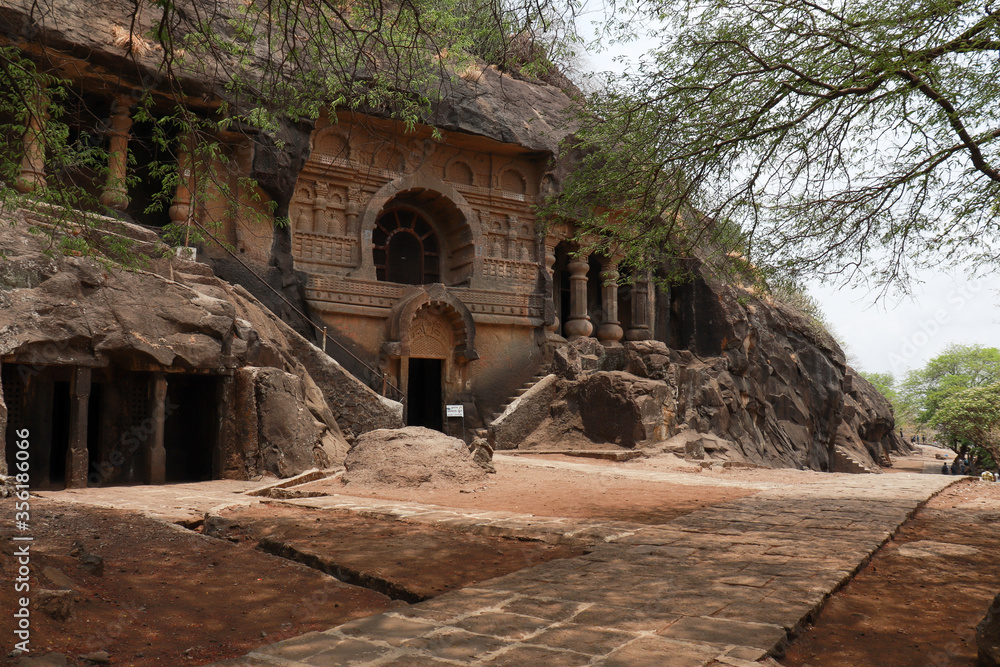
[834, 135]
[957, 368]
[973, 415]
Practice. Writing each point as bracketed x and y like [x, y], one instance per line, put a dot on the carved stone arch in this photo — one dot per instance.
[458, 170]
[512, 180]
[331, 141]
[453, 218]
[428, 303]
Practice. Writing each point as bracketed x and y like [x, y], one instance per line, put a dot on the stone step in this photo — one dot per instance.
[521, 391]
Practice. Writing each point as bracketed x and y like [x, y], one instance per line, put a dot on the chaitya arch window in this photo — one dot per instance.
[406, 249]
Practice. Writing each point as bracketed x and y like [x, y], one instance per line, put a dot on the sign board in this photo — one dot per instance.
[454, 410]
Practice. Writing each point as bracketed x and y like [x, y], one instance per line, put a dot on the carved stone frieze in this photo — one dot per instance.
[329, 290]
[310, 247]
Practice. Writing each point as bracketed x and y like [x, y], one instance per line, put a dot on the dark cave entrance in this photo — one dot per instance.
[424, 404]
[190, 428]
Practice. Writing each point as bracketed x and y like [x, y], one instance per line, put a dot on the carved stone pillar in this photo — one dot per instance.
[639, 329]
[552, 329]
[319, 212]
[182, 210]
[77, 457]
[351, 213]
[578, 325]
[156, 454]
[32, 176]
[610, 332]
[115, 194]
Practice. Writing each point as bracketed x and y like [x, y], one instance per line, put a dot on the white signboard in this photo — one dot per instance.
[454, 410]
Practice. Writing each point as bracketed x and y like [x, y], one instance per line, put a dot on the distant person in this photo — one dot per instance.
[954, 467]
[944, 468]
[900, 433]
[961, 466]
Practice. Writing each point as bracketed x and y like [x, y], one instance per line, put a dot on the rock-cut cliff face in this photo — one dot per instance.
[274, 402]
[767, 378]
[740, 378]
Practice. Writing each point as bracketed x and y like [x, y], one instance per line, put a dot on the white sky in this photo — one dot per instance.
[896, 334]
[891, 334]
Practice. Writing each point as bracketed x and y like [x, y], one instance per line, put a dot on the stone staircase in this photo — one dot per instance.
[844, 462]
[518, 394]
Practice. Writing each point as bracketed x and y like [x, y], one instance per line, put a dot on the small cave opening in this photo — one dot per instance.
[190, 429]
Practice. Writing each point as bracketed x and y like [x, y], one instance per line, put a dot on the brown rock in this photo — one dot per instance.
[410, 457]
[988, 636]
[525, 414]
[57, 605]
[189, 321]
[97, 657]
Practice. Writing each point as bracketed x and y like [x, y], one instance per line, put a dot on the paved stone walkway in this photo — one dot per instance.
[722, 586]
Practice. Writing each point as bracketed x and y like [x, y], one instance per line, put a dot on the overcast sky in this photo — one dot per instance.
[897, 334]
[893, 334]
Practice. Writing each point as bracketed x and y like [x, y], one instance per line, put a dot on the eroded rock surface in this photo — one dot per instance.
[411, 457]
[742, 379]
[176, 316]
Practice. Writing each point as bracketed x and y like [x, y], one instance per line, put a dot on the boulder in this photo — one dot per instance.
[410, 457]
[603, 408]
[524, 415]
[482, 454]
[56, 604]
[695, 446]
[283, 435]
[988, 636]
[620, 408]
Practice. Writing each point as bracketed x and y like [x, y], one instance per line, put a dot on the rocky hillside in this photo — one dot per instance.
[743, 379]
[296, 408]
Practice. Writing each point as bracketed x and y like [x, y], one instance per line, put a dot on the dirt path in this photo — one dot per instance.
[527, 489]
[918, 601]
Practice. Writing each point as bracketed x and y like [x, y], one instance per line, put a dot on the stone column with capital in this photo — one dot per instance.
[32, 176]
[182, 209]
[640, 328]
[115, 194]
[77, 456]
[156, 453]
[610, 331]
[578, 324]
[319, 211]
[552, 299]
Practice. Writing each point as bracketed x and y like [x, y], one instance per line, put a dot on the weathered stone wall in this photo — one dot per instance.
[508, 357]
[282, 435]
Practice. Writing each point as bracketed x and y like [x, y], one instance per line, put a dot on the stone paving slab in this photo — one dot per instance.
[722, 586]
[553, 530]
